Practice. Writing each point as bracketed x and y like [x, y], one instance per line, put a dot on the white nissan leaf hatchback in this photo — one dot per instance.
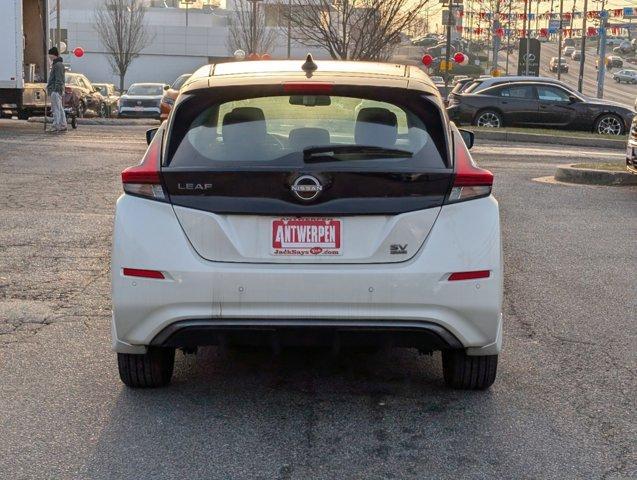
[301, 203]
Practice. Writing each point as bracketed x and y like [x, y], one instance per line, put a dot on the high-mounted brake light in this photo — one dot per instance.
[470, 181]
[310, 88]
[469, 275]
[140, 272]
[144, 179]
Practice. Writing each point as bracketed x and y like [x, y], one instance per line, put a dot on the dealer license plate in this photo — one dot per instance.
[306, 236]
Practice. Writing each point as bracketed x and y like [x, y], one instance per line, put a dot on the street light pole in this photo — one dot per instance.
[187, 2]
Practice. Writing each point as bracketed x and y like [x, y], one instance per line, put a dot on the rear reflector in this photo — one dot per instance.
[307, 87]
[138, 272]
[144, 179]
[469, 275]
[470, 180]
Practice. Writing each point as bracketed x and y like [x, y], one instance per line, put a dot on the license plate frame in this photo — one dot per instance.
[306, 236]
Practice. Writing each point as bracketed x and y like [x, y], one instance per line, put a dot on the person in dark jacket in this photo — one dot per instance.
[55, 90]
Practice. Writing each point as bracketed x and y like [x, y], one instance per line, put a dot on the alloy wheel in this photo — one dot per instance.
[489, 119]
[609, 125]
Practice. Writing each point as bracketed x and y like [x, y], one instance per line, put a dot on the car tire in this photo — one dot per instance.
[465, 372]
[618, 80]
[150, 370]
[609, 124]
[103, 113]
[488, 118]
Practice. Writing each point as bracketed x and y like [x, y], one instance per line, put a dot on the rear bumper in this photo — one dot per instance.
[146, 112]
[307, 332]
[461, 115]
[380, 300]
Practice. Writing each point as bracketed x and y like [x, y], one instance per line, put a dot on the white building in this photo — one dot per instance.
[176, 48]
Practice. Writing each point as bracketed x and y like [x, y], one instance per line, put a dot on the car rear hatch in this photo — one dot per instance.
[307, 172]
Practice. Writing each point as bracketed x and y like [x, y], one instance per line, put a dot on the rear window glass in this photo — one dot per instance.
[472, 86]
[300, 129]
[517, 91]
[180, 82]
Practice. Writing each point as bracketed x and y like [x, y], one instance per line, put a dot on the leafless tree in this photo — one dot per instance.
[354, 29]
[247, 29]
[121, 26]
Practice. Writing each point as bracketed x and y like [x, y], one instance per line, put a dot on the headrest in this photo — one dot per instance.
[243, 124]
[301, 138]
[377, 127]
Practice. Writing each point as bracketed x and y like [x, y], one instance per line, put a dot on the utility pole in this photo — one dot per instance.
[580, 80]
[58, 29]
[496, 38]
[550, 17]
[508, 37]
[601, 69]
[527, 21]
[600, 24]
[448, 47]
[470, 23]
[559, 43]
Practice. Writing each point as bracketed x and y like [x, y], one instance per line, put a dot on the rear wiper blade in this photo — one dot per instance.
[351, 152]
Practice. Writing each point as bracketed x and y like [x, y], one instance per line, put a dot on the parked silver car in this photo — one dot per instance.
[627, 75]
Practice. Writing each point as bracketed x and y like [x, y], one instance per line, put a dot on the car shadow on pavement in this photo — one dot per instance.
[251, 414]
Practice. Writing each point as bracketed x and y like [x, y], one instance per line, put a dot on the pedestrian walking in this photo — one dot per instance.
[55, 90]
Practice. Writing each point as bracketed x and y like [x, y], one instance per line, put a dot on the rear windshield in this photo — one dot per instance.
[146, 90]
[298, 130]
[472, 86]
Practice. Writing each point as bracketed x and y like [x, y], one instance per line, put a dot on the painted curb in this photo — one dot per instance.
[110, 122]
[593, 141]
[573, 174]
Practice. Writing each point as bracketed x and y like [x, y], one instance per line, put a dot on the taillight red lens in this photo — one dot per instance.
[310, 88]
[470, 181]
[469, 275]
[144, 179]
[140, 272]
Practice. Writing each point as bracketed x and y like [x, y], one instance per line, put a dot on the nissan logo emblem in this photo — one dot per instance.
[306, 188]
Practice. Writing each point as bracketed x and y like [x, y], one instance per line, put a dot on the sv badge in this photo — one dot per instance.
[398, 249]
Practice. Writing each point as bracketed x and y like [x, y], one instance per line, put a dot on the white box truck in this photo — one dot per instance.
[24, 36]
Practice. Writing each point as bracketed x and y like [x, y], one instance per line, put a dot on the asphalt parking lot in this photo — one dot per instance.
[563, 405]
